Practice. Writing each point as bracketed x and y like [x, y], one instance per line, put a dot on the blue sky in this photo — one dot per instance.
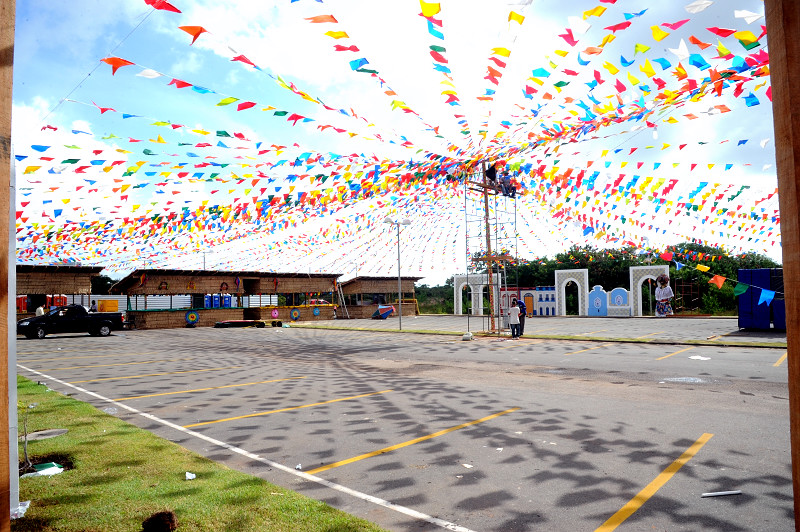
[59, 78]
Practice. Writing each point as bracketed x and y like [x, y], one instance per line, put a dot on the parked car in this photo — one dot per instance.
[71, 319]
[318, 302]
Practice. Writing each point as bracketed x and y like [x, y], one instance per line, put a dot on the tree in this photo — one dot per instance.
[101, 284]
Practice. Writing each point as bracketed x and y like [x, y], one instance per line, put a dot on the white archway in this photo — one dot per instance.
[638, 275]
[579, 277]
[476, 282]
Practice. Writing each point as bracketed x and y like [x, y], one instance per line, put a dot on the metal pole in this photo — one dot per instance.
[399, 279]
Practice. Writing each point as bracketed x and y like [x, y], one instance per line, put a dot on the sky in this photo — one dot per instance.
[284, 135]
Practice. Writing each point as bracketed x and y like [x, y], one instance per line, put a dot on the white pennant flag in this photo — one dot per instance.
[748, 16]
[682, 51]
[698, 6]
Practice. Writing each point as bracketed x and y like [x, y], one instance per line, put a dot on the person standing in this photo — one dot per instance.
[513, 320]
[93, 307]
[523, 312]
[663, 295]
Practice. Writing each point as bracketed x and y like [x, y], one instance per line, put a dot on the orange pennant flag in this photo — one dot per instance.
[322, 18]
[717, 280]
[115, 63]
[194, 31]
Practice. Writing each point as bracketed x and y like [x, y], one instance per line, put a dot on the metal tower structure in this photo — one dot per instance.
[491, 243]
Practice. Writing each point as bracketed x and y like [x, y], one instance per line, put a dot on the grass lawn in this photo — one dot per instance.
[121, 474]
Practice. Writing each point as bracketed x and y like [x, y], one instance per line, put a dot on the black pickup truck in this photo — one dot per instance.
[70, 319]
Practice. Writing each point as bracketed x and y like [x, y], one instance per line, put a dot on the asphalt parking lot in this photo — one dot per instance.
[426, 432]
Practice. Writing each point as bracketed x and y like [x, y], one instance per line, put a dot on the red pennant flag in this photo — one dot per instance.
[243, 59]
[340, 48]
[569, 37]
[179, 84]
[617, 27]
[666, 256]
[294, 117]
[675, 25]
[722, 32]
[245, 105]
[162, 5]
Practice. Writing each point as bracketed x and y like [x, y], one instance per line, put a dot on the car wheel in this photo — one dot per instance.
[104, 330]
[40, 332]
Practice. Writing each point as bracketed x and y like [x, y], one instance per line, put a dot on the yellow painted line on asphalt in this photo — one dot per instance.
[409, 442]
[543, 330]
[29, 360]
[651, 334]
[591, 332]
[285, 409]
[120, 364]
[780, 360]
[588, 349]
[206, 389]
[642, 497]
[155, 374]
[675, 353]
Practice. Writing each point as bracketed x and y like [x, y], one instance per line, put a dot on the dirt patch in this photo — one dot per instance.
[64, 460]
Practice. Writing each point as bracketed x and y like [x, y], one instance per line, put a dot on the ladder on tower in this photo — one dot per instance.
[341, 300]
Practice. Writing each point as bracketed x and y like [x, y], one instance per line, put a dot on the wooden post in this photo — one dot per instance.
[783, 25]
[7, 12]
[489, 262]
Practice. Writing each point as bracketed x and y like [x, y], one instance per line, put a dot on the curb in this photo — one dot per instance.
[481, 334]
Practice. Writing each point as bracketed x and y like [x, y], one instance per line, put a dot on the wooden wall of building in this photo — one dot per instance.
[157, 283]
[54, 283]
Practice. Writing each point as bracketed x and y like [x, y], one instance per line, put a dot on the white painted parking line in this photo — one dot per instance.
[448, 525]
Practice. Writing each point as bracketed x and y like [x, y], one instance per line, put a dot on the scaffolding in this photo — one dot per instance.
[491, 246]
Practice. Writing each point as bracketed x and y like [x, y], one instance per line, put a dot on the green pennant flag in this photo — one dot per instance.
[280, 113]
[740, 289]
[223, 133]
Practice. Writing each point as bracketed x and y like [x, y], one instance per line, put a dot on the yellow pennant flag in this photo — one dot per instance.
[430, 9]
[505, 52]
[640, 48]
[340, 34]
[516, 17]
[702, 267]
[610, 67]
[632, 80]
[594, 12]
[607, 39]
[747, 37]
[658, 33]
[31, 169]
[647, 69]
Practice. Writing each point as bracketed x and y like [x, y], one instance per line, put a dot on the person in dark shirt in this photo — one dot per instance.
[491, 176]
[523, 311]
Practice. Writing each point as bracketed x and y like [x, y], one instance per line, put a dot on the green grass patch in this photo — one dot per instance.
[121, 474]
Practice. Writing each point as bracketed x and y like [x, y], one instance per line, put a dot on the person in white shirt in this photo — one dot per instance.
[513, 320]
[663, 295]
